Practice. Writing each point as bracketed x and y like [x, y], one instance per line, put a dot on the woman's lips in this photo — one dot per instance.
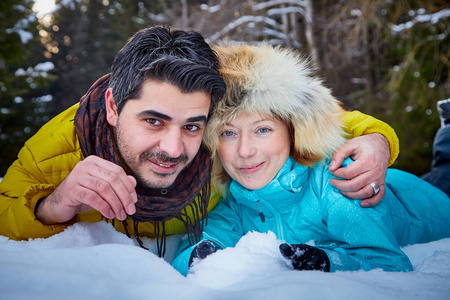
[251, 169]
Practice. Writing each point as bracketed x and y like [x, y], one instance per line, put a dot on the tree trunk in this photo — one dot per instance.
[309, 33]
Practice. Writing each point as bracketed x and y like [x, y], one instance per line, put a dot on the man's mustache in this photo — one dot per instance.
[162, 157]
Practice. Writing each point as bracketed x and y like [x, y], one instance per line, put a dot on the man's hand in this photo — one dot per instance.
[371, 158]
[94, 183]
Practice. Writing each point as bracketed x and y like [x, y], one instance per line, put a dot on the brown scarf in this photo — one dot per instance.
[154, 205]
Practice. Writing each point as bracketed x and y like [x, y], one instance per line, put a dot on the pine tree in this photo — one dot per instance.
[24, 76]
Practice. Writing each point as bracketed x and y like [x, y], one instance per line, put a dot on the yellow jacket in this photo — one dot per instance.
[50, 155]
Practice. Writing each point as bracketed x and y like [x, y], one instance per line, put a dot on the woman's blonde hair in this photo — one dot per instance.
[277, 82]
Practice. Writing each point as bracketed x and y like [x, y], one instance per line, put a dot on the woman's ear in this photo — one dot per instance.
[111, 108]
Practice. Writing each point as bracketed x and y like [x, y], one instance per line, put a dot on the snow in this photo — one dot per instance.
[93, 261]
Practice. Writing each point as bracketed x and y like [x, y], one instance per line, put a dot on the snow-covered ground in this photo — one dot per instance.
[93, 261]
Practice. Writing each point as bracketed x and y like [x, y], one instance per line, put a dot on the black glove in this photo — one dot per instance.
[305, 257]
[202, 250]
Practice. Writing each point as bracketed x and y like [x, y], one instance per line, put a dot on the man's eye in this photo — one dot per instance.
[192, 127]
[153, 121]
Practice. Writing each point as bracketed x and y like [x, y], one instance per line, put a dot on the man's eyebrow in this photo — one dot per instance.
[202, 119]
[155, 114]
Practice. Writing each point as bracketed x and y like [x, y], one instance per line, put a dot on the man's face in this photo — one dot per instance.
[159, 133]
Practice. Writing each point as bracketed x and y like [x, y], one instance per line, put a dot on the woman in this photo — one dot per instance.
[271, 137]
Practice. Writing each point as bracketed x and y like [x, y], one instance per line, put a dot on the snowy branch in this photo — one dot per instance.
[285, 10]
[270, 32]
[40, 70]
[21, 26]
[266, 4]
[210, 9]
[421, 18]
[240, 21]
[157, 18]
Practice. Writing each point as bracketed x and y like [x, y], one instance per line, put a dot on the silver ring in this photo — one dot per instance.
[375, 187]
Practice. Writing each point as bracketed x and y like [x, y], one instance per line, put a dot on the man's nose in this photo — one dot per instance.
[171, 143]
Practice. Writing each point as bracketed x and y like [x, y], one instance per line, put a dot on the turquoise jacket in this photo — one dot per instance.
[300, 205]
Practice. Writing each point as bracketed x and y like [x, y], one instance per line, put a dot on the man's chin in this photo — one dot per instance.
[160, 182]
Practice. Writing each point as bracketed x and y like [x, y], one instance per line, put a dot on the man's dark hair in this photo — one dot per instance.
[181, 58]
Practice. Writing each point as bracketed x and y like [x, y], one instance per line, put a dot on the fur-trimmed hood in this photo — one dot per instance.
[280, 83]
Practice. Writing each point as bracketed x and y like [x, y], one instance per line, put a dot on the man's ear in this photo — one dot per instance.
[111, 108]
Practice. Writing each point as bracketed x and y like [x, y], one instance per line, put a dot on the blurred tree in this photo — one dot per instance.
[417, 77]
[280, 22]
[386, 58]
[24, 77]
[84, 37]
[391, 60]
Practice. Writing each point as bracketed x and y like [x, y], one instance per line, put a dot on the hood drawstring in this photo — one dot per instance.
[261, 214]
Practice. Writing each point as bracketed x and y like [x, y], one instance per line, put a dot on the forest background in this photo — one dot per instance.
[386, 58]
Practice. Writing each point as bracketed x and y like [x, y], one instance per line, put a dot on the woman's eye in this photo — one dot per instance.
[263, 130]
[227, 133]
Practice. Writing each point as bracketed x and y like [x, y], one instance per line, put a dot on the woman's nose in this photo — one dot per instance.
[246, 147]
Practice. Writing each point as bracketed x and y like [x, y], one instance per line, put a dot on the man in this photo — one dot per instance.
[135, 150]
[131, 149]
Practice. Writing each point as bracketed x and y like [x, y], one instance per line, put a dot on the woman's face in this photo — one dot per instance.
[253, 148]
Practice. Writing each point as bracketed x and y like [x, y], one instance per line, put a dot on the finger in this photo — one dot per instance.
[122, 185]
[132, 180]
[104, 193]
[355, 184]
[133, 194]
[356, 168]
[109, 187]
[112, 167]
[364, 193]
[340, 154]
[89, 198]
[374, 200]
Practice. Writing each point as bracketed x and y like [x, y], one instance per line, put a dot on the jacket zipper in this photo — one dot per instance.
[261, 214]
[276, 215]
